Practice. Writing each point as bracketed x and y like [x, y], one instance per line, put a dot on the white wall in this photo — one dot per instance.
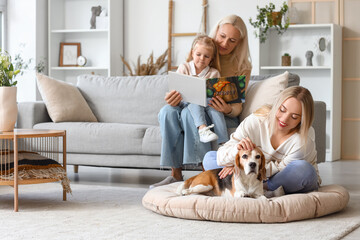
[20, 39]
[27, 35]
[146, 25]
[145, 30]
[41, 36]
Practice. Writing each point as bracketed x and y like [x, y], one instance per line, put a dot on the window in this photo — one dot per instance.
[3, 23]
[1, 29]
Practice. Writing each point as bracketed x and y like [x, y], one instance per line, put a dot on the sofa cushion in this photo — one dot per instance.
[263, 92]
[108, 138]
[124, 99]
[63, 101]
[294, 79]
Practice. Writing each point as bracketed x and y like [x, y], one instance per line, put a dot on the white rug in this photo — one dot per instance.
[101, 212]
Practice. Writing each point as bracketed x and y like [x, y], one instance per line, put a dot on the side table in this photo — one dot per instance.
[35, 141]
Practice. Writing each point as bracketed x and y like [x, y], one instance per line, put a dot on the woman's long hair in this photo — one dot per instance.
[241, 53]
[304, 96]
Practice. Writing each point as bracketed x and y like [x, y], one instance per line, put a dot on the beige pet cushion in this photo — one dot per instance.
[292, 207]
[64, 101]
[263, 92]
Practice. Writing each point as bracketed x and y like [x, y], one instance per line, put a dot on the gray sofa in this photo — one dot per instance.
[127, 134]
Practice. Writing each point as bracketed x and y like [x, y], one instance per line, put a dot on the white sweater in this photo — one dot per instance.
[257, 129]
[188, 68]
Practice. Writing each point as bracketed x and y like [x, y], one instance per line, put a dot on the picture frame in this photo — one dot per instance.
[69, 52]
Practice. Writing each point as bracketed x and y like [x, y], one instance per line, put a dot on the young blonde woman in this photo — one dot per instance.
[181, 144]
[284, 134]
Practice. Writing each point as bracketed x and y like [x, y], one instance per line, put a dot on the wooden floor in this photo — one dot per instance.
[344, 172]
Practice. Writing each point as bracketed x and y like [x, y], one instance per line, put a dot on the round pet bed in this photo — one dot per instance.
[328, 199]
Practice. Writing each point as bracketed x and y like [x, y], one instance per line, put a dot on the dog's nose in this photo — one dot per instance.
[252, 165]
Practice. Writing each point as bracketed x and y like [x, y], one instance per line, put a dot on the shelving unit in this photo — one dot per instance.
[293, 68]
[323, 79]
[69, 21]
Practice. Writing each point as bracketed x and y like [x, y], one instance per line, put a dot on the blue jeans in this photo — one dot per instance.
[217, 118]
[298, 176]
[180, 143]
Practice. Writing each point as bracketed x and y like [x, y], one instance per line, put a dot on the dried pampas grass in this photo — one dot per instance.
[151, 67]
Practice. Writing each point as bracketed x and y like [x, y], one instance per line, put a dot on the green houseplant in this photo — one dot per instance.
[267, 17]
[7, 70]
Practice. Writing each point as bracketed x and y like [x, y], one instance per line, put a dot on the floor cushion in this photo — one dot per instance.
[328, 199]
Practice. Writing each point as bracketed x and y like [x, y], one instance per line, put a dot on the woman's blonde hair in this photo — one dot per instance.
[304, 96]
[241, 53]
[208, 43]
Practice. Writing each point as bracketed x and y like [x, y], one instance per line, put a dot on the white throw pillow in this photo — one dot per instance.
[263, 92]
[64, 101]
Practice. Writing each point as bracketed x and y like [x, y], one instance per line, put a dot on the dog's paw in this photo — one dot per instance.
[180, 189]
[260, 197]
[240, 194]
[185, 192]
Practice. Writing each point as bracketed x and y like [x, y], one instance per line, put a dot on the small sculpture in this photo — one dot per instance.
[95, 12]
[309, 55]
[103, 12]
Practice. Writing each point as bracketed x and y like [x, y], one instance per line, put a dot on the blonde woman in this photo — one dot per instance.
[284, 134]
[181, 145]
[234, 56]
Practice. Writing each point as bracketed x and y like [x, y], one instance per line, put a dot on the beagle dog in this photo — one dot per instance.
[246, 181]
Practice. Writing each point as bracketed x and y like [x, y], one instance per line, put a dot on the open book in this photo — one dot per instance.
[196, 90]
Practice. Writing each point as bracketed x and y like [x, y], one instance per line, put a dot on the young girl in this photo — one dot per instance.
[203, 61]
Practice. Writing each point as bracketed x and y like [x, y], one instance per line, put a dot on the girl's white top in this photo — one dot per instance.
[188, 68]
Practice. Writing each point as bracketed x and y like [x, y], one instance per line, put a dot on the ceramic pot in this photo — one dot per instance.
[8, 108]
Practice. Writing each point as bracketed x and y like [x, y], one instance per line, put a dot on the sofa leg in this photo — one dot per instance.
[76, 168]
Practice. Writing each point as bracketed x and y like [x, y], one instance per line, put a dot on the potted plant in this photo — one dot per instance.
[267, 18]
[8, 106]
[286, 60]
[151, 67]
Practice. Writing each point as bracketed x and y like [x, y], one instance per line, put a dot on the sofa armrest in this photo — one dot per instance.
[319, 125]
[31, 113]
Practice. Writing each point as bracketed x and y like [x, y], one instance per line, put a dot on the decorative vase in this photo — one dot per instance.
[8, 108]
[285, 60]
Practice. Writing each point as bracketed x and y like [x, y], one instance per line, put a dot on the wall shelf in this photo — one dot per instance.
[79, 30]
[285, 68]
[78, 68]
[69, 21]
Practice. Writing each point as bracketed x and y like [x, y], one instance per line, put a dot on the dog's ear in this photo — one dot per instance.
[237, 164]
[237, 160]
[262, 167]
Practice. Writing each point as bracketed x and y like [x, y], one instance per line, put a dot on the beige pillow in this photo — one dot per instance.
[263, 92]
[64, 101]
